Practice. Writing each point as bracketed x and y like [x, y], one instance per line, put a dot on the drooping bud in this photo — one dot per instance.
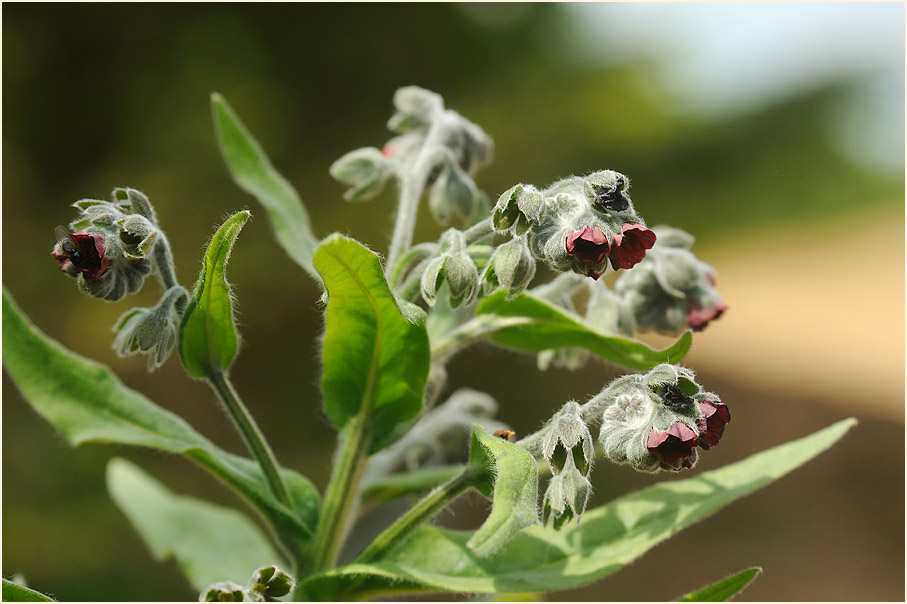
[568, 441]
[416, 107]
[566, 497]
[225, 591]
[453, 267]
[151, 331]
[671, 290]
[517, 209]
[269, 583]
[511, 268]
[366, 170]
[453, 197]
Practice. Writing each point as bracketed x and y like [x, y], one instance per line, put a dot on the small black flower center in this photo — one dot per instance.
[672, 396]
[612, 197]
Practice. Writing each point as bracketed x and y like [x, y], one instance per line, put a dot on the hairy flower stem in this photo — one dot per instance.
[420, 513]
[252, 436]
[341, 493]
[163, 262]
[411, 188]
[471, 331]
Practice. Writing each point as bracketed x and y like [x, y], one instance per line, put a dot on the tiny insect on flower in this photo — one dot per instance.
[84, 251]
[505, 434]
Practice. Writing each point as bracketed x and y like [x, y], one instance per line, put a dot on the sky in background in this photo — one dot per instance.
[718, 58]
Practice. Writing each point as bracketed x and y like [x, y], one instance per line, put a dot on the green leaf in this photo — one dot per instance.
[208, 340]
[253, 172]
[375, 358]
[13, 592]
[88, 403]
[547, 327]
[608, 537]
[395, 486]
[515, 475]
[723, 590]
[211, 543]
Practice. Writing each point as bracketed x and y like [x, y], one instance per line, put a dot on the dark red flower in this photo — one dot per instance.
[698, 316]
[85, 251]
[715, 416]
[630, 246]
[676, 443]
[590, 247]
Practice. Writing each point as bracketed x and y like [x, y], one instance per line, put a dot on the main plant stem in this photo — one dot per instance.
[252, 436]
[341, 493]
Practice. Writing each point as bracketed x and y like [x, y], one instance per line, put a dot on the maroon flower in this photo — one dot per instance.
[677, 443]
[590, 247]
[630, 246]
[84, 251]
[698, 316]
[715, 416]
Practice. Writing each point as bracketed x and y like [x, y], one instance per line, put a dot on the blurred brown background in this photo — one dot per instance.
[772, 132]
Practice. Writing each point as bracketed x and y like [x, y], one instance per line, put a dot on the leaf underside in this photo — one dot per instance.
[549, 327]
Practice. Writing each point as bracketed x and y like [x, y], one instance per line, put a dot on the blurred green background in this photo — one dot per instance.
[772, 132]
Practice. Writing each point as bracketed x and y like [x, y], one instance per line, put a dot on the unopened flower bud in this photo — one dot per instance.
[415, 108]
[453, 267]
[135, 202]
[225, 591]
[365, 170]
[566, 497]
[567, 441]
[151, 331]
[518, 209]
[453, 197]
[269, 583]
[462, 279]
[511, 268]
[671, 290]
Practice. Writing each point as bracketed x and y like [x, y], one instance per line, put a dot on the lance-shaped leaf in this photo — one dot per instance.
[514, 475]
[86, 402]
[375, 358]
[13, 592]
[542, 559]
[253, 172]
[208, 340]
[211, 543]
[546, 326]
[723, 590]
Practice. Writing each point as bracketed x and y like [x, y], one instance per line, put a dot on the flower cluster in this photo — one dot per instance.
[671, 290]
[266, 585]
[116, 246]
[656, 421]
[437, 142]
[109, 251]
[577, 223]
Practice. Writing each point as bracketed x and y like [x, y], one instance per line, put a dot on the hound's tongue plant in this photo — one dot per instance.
[391, 325]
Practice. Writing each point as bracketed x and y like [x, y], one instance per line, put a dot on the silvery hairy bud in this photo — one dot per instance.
[567, 440]
[416, 108]
[225, 591]
[517, 209]
[151, 331]
[657, 420]
[269, 583]
[588, 223]
[566, 496]
[366, 170]
[106, 249]
[671, 290]
[453, 267]
[510, 268]
[453, 197]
